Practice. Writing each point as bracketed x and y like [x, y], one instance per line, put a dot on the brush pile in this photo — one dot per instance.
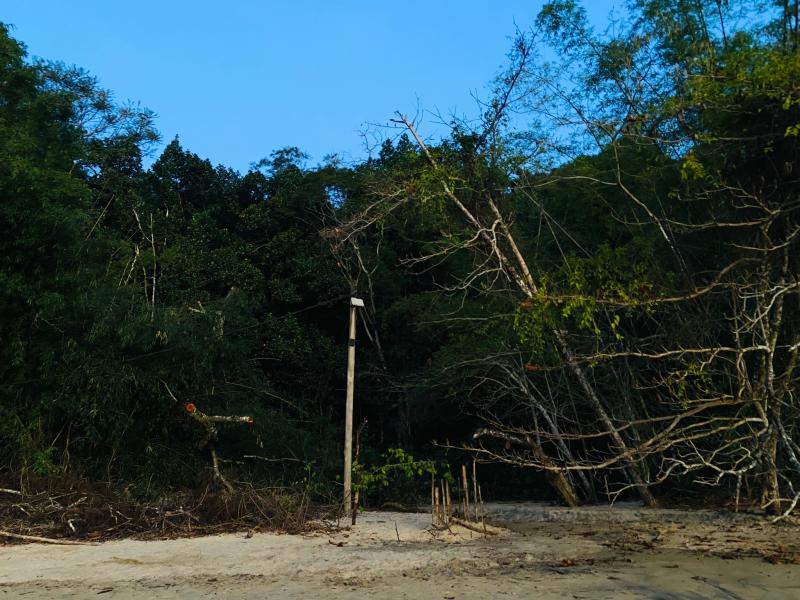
[80, 512]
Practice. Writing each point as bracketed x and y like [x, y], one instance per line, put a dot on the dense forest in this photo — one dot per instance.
[592, 288]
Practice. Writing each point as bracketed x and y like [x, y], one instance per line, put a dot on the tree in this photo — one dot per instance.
[701, 103]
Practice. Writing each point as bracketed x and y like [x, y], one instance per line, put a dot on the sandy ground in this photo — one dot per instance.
[594, 553]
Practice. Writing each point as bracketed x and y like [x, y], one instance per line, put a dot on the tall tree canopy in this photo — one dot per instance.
[597, 279]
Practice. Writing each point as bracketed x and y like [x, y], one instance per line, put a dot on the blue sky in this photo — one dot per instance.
[238, 79]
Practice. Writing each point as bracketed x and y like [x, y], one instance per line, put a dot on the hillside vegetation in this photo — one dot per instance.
[597, 280]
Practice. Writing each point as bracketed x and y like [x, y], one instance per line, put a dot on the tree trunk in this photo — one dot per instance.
[771, 490]
[555, 477]
[631, 466]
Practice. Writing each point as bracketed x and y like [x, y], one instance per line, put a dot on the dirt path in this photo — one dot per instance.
[592, 553]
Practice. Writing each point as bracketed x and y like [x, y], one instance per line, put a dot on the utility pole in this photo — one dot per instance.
[348, 418]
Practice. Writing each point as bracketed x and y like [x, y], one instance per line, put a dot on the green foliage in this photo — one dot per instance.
[590, 295]
[397, 464]
[124, 288]
[116, 283]
[397, 475]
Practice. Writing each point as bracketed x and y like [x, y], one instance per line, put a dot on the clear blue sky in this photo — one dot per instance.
[237, 79]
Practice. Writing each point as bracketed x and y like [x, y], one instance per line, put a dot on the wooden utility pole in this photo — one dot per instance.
[348, 413]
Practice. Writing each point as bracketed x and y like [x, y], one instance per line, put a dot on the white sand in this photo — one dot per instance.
[626, 552]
